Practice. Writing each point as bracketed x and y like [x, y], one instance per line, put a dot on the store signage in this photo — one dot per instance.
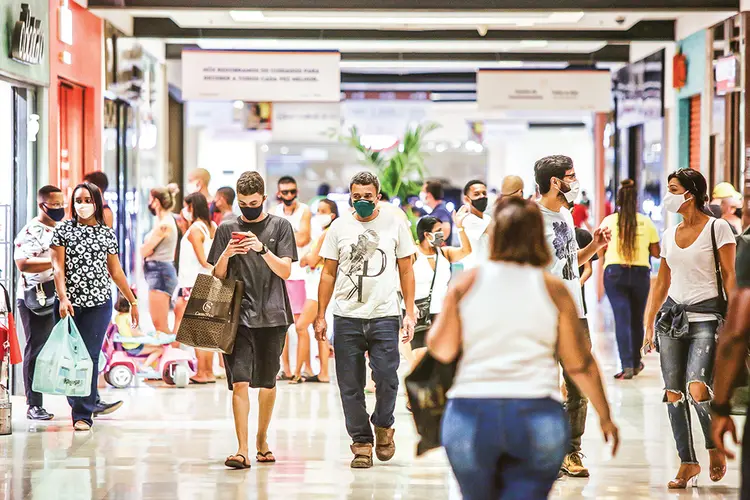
[65, 23]
[727, 74]
[27, 40]
[639, 91]
[388, 96]
[545, 90]
[307, 122]
[254, 76]
[679, 70]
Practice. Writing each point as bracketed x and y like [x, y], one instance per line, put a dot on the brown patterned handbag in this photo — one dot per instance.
[212, 314]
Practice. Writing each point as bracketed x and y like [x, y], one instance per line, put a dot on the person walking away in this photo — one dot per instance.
[731, 358]
[432, 195]
[512, 186]
[558, 186]
[328, 211]
[33, 259]
[476, 223]
[299, 215]
[627, 275]
[85, 262]
[100, 180]
[257, 248]
[224, 203]
[366, 255]
[685, 326]
[194, 249]
[158, 252]
[725, 203]
[504, 429]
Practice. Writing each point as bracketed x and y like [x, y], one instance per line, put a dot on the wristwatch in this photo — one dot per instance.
[721, 409]
[263, 251]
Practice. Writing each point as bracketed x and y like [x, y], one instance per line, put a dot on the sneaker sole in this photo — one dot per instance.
[111, 410]
[576, 474]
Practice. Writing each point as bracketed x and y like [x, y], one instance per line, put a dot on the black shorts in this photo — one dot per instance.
[256, 356]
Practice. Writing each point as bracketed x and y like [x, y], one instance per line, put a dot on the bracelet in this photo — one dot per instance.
[721, 409]
[134, 303]
[460, 229]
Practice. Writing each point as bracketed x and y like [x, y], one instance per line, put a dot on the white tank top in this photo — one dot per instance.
[509, 325]
[189, 265]
[296, 220]
[423, 273]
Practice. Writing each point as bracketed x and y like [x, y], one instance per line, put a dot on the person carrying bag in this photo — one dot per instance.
[64, 367]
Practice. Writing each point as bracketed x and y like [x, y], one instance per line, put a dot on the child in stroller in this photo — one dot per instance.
[124, 329]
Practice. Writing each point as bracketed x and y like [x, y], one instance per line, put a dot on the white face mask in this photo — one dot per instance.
[193, 187]
[85, 210]
[323, 220]
[673, 202]
[423, 197]
[187, 215]
[572, 195]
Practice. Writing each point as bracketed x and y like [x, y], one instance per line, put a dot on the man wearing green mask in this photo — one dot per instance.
[367, 254]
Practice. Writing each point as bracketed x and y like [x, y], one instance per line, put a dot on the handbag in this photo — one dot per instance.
[717, 270]
[424, 322]
[40, 298]
[212, 314]
[64, 366]
[426, 388]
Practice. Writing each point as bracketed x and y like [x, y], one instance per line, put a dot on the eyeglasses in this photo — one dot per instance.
[286, 192]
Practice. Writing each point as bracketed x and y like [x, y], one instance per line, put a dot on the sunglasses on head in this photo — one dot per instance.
[286, 192]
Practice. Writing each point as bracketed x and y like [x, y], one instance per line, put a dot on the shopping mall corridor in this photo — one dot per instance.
[170, 443]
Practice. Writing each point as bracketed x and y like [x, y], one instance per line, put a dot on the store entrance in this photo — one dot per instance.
[71, 136]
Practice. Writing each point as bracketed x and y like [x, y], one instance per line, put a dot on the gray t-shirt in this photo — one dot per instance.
[266, 302]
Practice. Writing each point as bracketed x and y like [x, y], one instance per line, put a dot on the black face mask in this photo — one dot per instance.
[480, 203]
[288, 203]
[56, 214]
[251, 213]
[738, 213]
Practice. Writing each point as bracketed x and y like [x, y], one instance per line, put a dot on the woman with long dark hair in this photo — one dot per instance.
[194, 248]
[505, 430]
[627, 275]
[695, 278]
[85, 262]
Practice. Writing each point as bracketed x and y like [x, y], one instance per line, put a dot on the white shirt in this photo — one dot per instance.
[33, 241]
[190, 267]
[296, 220]
[509, 336]
[559, 231]
[423, 274]
[476, 231]
[367, 281]
[693, 271]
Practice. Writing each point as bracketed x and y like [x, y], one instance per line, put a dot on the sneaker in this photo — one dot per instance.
[38, 413]
[82, 426]
[385, 447]
[362, 456]
[103, 408]
[573, 466]
[626, 374]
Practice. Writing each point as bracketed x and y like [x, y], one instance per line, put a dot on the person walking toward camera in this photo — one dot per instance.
[257, 248]
[367, 254]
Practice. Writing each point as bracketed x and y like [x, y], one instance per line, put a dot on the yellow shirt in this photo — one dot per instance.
[646, 234]
[122, 320]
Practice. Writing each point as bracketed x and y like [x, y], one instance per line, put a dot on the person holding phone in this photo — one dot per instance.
[257, 248]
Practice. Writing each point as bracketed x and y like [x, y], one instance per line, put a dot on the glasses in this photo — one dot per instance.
[287, 192]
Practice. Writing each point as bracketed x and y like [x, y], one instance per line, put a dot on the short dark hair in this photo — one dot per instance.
[286, 179]
[548, 167]
[99, 179]
[251, 183]
[435, 188]
[365, 179]
[694, 183]
[468, 185]
[96, 195]
[425, 225]
[332, 205]
[199, 204]
[45, 191]
[517, 233]
[227, 193]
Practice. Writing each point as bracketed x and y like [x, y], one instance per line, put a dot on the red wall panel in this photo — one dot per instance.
[695, 133]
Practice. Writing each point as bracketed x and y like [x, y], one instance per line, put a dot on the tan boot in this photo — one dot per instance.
[385, 447]
[362, 456]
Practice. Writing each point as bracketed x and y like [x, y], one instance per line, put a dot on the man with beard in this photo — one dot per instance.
[556, 179]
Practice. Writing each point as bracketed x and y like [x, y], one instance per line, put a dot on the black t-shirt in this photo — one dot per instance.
[266, 302]
[742, 262]
[584, 239]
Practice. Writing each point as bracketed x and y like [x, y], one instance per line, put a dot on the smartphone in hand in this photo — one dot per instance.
[645, 350]
[238, 236]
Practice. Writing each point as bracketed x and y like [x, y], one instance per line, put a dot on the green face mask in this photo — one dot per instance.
[364, 208]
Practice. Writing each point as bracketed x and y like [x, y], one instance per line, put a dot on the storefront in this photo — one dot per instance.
[75, 95]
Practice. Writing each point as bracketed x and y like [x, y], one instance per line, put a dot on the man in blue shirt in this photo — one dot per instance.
[432, 196]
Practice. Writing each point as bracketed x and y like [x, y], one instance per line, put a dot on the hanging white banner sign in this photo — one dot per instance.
[549, 90]
[312, 122]
[256, 76]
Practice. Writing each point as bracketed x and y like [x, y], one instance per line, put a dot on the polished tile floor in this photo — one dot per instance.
[171, 443]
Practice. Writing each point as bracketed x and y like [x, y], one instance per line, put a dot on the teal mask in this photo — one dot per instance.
[364, 208]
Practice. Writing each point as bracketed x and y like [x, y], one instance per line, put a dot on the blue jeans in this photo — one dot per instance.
[505, 448]
[685, 360]
[160, 276]
[353, 338]
[92, 323]
[627, 290]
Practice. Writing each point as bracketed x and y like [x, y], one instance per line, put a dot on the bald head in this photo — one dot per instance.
[512, 186]
[198, 180]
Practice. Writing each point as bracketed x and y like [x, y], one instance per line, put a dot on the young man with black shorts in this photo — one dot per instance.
[257, 248]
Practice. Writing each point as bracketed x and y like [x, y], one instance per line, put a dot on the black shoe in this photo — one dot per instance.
[103, 408]
[38, 413]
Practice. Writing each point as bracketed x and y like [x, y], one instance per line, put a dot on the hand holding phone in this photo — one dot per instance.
[240, 236]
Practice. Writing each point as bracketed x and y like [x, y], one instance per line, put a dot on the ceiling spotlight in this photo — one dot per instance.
[284, 150]
[482, 30]
[238, 104]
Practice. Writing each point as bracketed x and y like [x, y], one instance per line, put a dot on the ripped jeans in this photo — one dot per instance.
[686, 360]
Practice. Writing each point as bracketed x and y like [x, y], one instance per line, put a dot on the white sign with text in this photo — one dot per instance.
[306, 121]
[261, 76]
[550, 90]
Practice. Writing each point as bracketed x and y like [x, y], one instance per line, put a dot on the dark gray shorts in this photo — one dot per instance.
[256, 356]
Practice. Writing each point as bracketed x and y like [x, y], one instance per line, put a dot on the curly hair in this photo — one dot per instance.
[251, 183]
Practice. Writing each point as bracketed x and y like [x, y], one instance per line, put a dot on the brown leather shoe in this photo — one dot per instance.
[362, 456]
[385, 447]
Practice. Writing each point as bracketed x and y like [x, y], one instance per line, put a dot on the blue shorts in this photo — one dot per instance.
[160, 276]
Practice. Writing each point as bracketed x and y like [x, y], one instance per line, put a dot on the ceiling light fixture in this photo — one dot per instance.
[535, 44]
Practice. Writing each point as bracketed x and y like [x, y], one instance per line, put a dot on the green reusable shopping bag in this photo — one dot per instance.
[64, 366]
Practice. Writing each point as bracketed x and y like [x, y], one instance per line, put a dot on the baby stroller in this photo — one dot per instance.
[175, 366]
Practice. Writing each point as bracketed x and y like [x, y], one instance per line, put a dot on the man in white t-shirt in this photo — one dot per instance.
[556, 179]
[476, 223]
[367, 254]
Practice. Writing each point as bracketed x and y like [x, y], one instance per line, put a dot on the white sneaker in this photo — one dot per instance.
[82, 426]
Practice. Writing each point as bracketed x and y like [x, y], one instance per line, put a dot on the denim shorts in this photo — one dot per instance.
[160, 276]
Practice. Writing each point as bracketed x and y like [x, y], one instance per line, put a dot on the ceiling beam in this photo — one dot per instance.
[164, 27]
[421, 5]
